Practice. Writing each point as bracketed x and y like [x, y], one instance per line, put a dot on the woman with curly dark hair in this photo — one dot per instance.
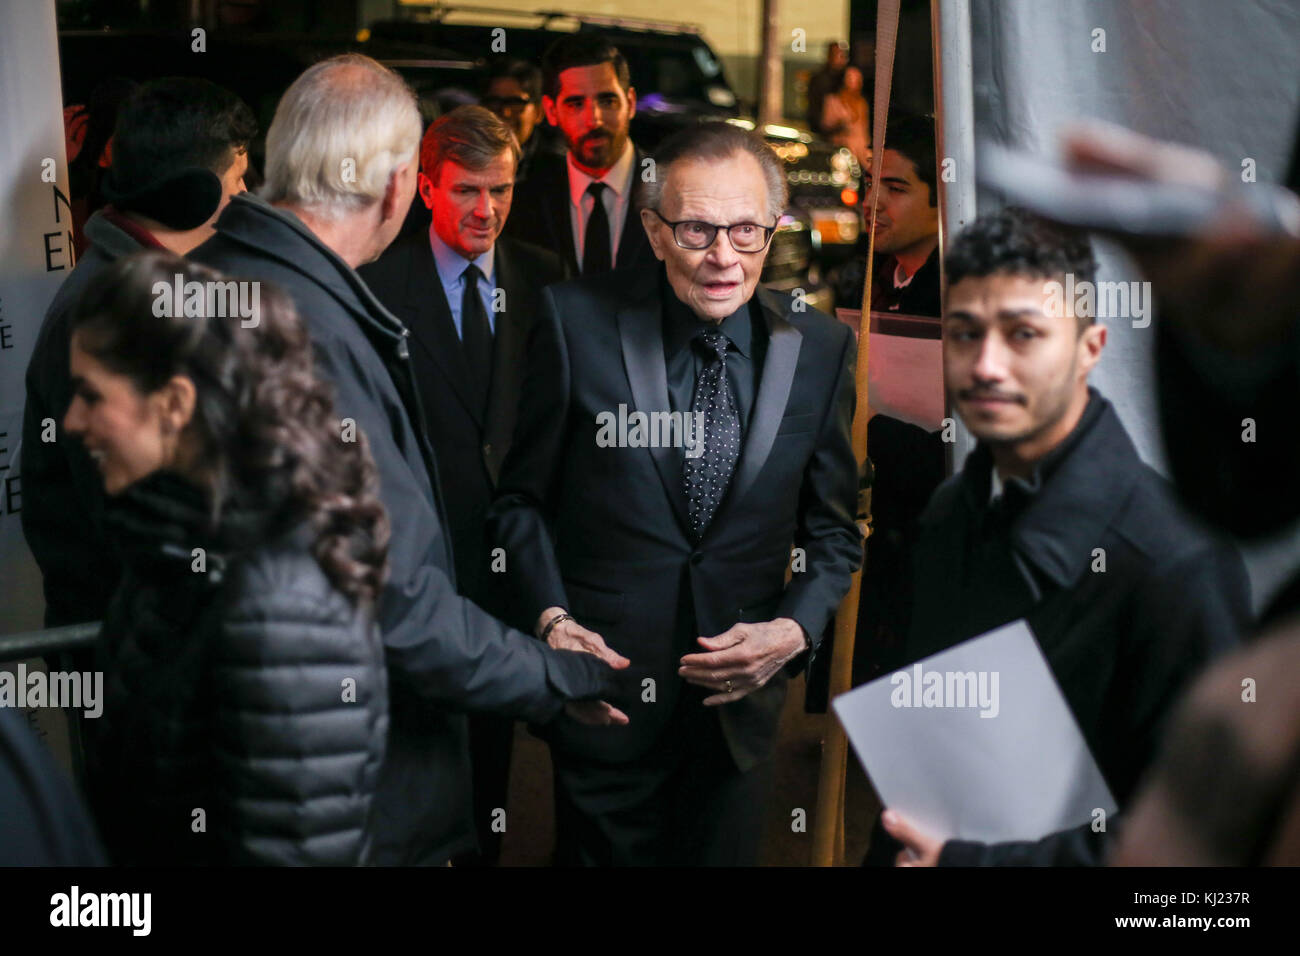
[245, 708]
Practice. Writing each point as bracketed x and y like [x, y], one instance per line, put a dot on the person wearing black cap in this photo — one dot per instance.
[180, 151]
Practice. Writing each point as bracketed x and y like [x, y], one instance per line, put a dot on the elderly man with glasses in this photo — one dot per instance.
[685, 442]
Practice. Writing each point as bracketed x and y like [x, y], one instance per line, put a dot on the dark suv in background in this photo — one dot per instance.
[678, 80]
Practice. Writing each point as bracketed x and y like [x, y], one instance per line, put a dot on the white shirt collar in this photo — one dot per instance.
[902, 281]
[618, 177]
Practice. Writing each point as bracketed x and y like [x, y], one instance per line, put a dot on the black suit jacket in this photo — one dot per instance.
[918, 297]
[540, 215]
[602, 530]
[470, 448]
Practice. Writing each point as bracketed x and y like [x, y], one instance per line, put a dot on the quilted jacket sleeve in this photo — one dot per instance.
[301, 717]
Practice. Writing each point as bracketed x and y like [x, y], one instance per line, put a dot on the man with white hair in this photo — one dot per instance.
[340, 175]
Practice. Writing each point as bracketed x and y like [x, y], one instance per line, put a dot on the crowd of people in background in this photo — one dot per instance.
[339, 550]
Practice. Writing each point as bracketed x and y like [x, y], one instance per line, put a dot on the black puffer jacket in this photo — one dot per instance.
[252, 691]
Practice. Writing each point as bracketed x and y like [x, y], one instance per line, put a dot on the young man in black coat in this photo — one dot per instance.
[1055, 519]
[338, 188]
[1224, 791]
[180, 151]
[906, 273]
[470, 297]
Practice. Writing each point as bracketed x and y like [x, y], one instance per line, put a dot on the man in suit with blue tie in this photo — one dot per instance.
[469, 297]
[670, 544]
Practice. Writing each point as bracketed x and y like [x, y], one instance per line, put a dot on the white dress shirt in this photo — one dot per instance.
[617, 199]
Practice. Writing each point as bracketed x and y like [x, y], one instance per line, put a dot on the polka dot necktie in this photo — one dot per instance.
[707, 476]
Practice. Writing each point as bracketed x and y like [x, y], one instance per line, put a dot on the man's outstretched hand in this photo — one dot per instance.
[595, 713]
[572, 636]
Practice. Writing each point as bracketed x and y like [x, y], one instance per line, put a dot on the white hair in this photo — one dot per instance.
[339, 133]
[713, 142]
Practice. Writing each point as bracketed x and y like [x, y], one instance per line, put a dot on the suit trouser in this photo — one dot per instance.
[685, 803]
[491, 743]
[491, 746]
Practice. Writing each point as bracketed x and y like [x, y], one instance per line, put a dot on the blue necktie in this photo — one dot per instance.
[476, 337]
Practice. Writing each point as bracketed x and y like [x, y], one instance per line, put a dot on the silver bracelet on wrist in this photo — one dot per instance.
[550, 625]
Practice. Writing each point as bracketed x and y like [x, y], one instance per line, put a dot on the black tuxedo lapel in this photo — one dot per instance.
[435, 332]
[633, 245]
[640, 328]
[632, 242]
[507, 351]
[769, 405]
[641, 332]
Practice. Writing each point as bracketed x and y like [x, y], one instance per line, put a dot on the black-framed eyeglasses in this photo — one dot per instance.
[695, 235]
[506, 104]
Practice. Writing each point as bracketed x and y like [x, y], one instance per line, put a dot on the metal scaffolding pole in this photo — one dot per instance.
[770, 75]
[954, 120]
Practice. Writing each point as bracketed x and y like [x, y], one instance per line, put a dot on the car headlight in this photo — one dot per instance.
[720, 96]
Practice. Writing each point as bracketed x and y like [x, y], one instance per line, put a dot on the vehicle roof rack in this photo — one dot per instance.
[437, 11]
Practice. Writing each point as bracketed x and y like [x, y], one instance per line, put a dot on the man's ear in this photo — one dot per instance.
[425, 186]
[1091, 343]
[631, 101]
[388, 207]
[552, 114]
[649, 221]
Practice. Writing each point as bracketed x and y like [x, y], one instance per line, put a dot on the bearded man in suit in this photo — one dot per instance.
[672, 547]
[581, 204]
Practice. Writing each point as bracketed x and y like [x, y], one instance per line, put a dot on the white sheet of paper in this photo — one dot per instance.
[1020, 773]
